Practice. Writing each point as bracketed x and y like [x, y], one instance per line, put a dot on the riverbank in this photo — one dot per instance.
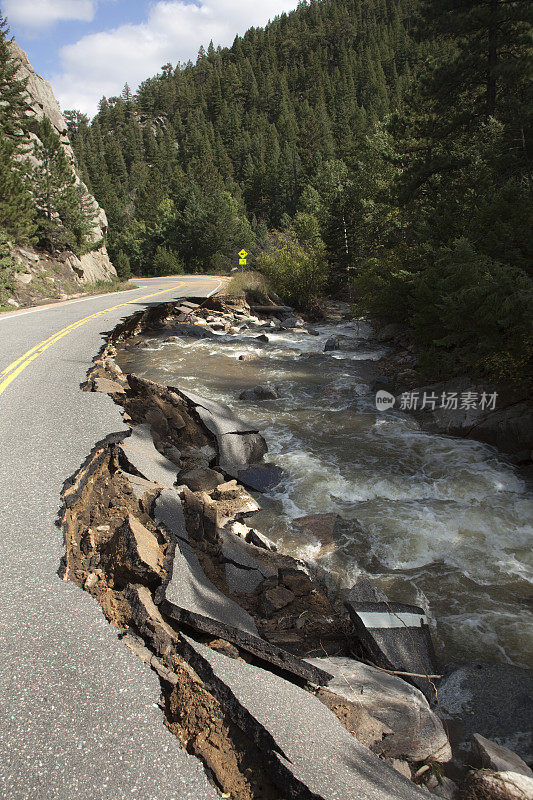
[288, 600]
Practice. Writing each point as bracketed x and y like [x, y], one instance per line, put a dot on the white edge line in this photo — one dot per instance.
[221, 283]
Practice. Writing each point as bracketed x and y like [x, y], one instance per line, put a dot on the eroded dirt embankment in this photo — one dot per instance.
[187, 582]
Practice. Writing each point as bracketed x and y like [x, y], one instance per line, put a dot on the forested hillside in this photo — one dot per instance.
[204, 152]
[379, 145]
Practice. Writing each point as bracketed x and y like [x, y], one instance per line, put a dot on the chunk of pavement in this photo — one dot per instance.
[242, 579]
[416, 732]
[190, 598]
[262, 392]
[168, 512]
[240, 450]
[258, 477]
[309, 752]
[142, 455]
[495, 700]
[142, 548]
[251, 535]
[201, 479]
[396, 636]
[244, 572]
[233, 501]
[189, 304]
[190, 591]
[500, 785]
[217, 417]
[246, 555]
[108, 386]
[485, 754]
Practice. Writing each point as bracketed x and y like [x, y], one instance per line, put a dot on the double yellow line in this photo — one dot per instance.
[8, 375]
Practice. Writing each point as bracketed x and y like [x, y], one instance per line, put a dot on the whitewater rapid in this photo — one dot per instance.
[439, 521]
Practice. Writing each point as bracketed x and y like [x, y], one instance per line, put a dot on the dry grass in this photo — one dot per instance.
[244, 282]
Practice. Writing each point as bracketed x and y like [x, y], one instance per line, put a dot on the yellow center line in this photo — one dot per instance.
[16, 367]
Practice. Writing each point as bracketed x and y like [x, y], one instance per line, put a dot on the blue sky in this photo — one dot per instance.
[91, 48]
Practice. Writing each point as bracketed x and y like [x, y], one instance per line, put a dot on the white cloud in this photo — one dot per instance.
[34, 15]
[101, 63]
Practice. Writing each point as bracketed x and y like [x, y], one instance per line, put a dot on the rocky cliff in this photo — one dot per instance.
[93, 266]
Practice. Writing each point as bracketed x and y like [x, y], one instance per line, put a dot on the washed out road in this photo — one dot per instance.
[78, 711]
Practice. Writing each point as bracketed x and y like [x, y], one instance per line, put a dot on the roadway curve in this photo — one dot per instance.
[79, 714]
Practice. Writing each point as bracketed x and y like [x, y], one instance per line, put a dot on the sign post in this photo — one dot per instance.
[242, 258]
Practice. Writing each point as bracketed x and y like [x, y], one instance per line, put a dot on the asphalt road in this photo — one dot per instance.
[78, 711]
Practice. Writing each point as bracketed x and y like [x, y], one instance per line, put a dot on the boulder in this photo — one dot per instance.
[292, 322]
[320, 527]
[275, 599]
[240, 450]
[233, 502]
[261, 392]
[494, 700]
[259, 477]
[485, 754]
[194, 331]
[363, 591]
[24, 277]
[201, 479]
[331, 344]
[409, 728]
[500, 785]
[443, 787]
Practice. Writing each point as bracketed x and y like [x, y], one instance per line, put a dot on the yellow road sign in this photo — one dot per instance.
[243, 254]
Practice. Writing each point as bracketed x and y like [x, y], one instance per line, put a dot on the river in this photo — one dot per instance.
[441, 522]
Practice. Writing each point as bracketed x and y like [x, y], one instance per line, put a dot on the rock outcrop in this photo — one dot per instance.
[95, 265]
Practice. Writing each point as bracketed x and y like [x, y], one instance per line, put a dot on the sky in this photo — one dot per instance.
[88, 49]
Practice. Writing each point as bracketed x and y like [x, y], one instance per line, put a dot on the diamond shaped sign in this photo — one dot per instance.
[243, 254]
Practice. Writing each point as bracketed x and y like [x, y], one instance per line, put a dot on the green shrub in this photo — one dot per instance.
[122, 265]
[7, 270]
[297, 272]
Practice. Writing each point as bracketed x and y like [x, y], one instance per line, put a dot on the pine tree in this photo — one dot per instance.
[16, 209]
[14, 108]
[16, 205]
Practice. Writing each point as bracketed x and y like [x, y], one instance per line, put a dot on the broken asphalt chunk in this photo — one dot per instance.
[141, 454]
[311, 755]
[396, 637]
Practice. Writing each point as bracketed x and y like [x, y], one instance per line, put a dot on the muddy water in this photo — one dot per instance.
[442, 522]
